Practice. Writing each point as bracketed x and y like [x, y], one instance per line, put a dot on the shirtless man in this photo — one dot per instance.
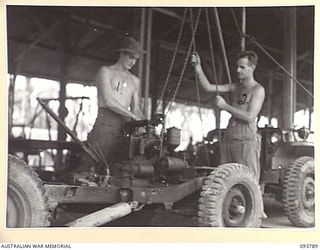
[117, 91]
[241, 142]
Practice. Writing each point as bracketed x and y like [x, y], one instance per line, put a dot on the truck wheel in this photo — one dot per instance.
[298, 192]
[230, 197]
[27, 204]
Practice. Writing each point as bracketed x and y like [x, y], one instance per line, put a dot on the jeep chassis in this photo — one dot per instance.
[147, 171]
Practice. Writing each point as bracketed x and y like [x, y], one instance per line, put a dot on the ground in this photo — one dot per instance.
[183, 214]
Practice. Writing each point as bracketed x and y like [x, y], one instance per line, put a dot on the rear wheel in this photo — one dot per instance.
[230, 197]
[27, 204]
[298, 192]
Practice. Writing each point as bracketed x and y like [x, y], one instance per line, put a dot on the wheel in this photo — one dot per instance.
[27, 204]
[298, 192]
[230, 197]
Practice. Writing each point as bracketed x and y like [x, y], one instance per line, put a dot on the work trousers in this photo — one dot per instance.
[104, 137]
[241, 144]
[246, 152]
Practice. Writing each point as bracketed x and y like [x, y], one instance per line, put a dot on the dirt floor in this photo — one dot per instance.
[183, 214]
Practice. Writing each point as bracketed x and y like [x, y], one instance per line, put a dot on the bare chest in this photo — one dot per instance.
[122, 85]
[241, 98]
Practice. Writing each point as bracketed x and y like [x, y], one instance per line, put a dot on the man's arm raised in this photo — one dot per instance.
[196, 63]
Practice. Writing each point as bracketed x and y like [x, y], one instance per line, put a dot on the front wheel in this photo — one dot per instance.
[27, 204]
[230, 197]
[298, 192]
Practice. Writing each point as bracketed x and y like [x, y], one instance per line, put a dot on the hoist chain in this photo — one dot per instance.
[214, 74]
[185, 64]
[198, 95]
[173, 57]
[211, 50]
[196, 79]
[192, 30]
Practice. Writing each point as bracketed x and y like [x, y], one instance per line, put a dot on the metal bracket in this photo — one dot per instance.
[135, 206]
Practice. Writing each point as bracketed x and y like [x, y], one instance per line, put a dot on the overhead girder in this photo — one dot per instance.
[105, 28]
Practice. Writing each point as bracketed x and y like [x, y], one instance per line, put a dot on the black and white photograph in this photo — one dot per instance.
[146, 116]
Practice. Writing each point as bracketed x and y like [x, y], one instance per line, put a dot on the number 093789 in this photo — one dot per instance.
[313, 246]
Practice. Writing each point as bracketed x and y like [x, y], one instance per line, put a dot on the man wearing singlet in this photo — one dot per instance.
[241, 142]
[117, 90]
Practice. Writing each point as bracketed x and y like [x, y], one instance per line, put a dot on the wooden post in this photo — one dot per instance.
[156, 83]
[11, 103]
[310, 113]
[269, 97]
[290, 56]
[217, 112]
[62, 93]
[243, 29]
[148, 63]
[142, 57]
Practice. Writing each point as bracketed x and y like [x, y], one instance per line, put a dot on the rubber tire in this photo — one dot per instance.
[228, 179]
[27, 205]
[292, 192]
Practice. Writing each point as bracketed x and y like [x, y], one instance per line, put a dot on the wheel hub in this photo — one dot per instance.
[235, 208]
[308, 193]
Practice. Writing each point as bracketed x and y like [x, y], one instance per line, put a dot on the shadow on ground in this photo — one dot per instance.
[182, 214]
